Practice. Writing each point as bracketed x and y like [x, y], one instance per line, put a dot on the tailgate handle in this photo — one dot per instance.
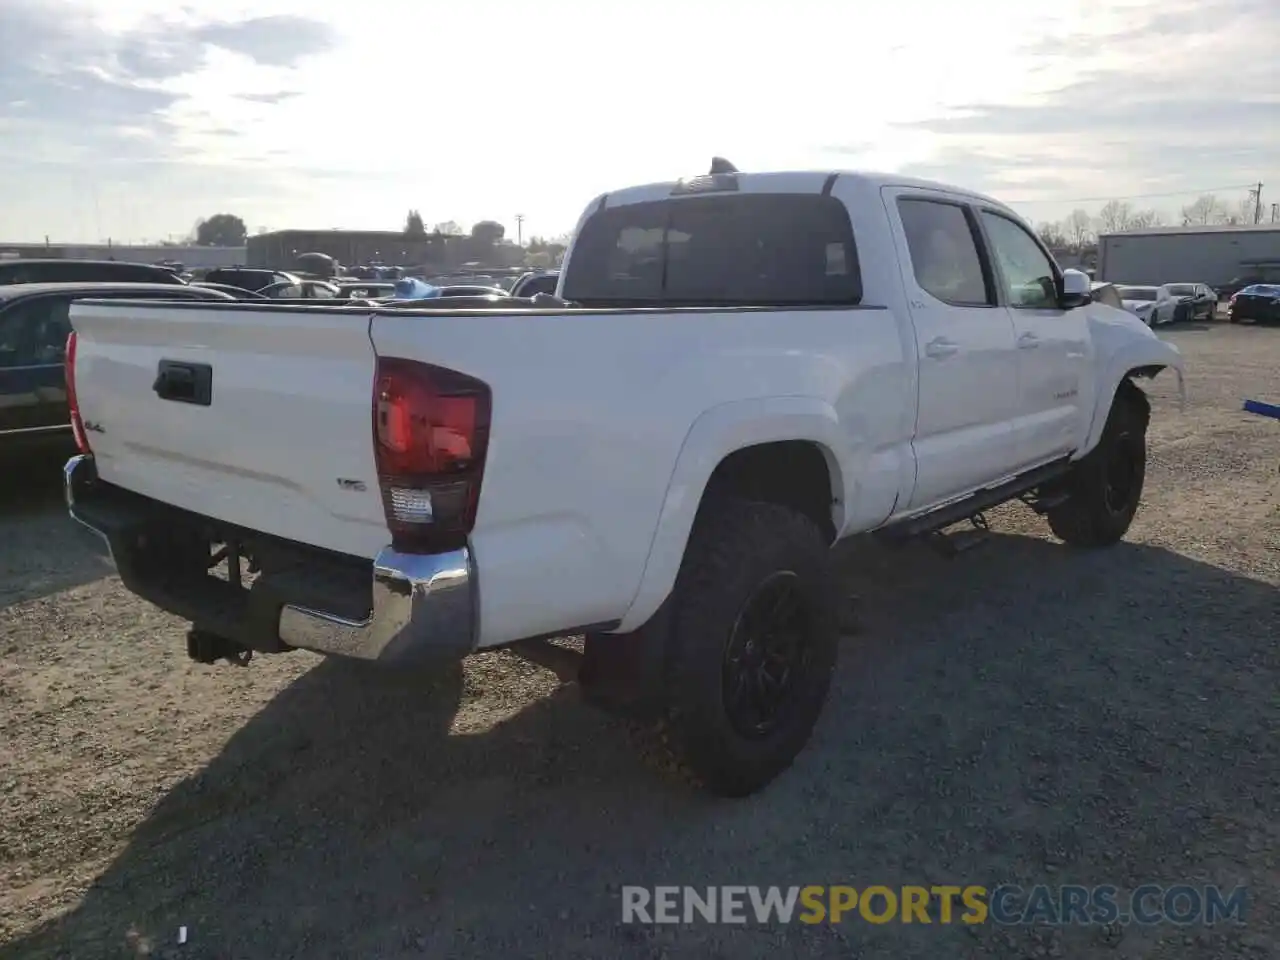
[184, 382]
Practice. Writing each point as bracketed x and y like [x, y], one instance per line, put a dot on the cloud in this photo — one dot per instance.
[278, 96]
[278, 41]
[1179, 96]
[71, 90]
[62, 91]
[1114, 102]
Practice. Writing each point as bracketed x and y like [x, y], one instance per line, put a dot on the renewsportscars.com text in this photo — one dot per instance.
[1067, 904]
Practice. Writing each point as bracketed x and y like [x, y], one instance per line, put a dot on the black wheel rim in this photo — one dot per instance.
[1122, 473]
[767, 656]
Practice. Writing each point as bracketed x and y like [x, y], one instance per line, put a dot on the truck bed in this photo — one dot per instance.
[591, 411]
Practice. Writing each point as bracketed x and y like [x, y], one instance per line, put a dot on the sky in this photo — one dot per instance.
[132, 119]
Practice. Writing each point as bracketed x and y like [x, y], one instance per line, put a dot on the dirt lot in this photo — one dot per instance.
[1023, 714]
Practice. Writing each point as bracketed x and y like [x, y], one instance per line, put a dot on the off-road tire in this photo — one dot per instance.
[1095, 514]
[738, 548]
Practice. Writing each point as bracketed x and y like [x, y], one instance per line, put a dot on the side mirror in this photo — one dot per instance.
[1076, 289]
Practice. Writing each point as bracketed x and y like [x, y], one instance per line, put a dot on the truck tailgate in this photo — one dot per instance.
[282, 443]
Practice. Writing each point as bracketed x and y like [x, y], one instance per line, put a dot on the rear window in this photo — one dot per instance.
[725, 250]
[1138, 293]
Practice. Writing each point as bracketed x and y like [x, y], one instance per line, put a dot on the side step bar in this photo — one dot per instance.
[935, 520]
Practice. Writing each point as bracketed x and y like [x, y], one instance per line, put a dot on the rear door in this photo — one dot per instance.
[272, 426]
[965, 344]
[1052, 343]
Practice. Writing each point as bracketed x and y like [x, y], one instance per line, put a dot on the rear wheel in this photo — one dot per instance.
[753, 644]
[1105, 487]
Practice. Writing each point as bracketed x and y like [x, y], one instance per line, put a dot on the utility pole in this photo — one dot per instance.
[519, 229]
[1257, 202]
[1275, 211]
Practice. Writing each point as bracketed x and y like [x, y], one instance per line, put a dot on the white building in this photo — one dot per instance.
[1207, 254]
[193, 257]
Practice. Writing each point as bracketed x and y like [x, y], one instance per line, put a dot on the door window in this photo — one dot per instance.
[1027, 271]
[34, 333]
[944, 252]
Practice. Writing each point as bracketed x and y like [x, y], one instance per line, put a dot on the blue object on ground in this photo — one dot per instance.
[410, 288]
[1262, 409]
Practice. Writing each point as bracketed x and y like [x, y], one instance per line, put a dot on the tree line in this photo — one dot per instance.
[229, 230]
[1080, 229]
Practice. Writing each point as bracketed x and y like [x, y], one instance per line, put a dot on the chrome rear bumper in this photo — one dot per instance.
[423, 606]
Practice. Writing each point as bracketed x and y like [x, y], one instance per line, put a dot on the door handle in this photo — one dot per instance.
[184, 382]
[940, 348]
[1028, 341]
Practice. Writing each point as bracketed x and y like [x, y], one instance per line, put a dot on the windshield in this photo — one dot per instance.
[1182, 289]
[1138, 293]
[786, 249]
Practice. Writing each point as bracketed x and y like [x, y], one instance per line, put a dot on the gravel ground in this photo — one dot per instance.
[1023, 713]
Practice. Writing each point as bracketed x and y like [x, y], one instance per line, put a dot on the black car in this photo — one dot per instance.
[1195, 301]
[240, 293]
[472, 290]
[85, 271]
[248, 278]
[33, 341]
[1259, 303]
[1269, 275]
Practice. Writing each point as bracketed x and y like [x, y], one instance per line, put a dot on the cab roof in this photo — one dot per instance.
[787, 181]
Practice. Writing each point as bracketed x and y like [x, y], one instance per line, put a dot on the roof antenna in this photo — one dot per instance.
[721, 165]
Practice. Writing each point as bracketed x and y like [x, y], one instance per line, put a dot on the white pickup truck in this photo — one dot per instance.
[741, 369]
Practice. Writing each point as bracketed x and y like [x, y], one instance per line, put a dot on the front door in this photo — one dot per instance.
[1054, 379]
[965, 347]
[33, 340]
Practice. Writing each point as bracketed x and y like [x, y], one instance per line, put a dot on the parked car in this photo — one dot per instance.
[1106, 293]
[365, 289]
[472, 290]
[238, 292]
[300, 290]
[1153, 305]
[1266, 275]
[33, 339]
[1195, 301]
[85, 271]
[534, 283]
[249, 278]
[662, 468]
[1259, 303]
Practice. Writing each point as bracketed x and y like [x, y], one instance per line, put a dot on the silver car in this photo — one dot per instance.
[1154, 305]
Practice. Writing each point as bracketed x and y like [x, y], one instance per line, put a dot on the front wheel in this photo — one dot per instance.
[753, 644]
[1105, 487]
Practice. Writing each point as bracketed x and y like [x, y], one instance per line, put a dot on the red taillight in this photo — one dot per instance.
[69, 367]
[430, 436]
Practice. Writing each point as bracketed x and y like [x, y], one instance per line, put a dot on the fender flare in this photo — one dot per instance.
[717, 433]
[1119, 365]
